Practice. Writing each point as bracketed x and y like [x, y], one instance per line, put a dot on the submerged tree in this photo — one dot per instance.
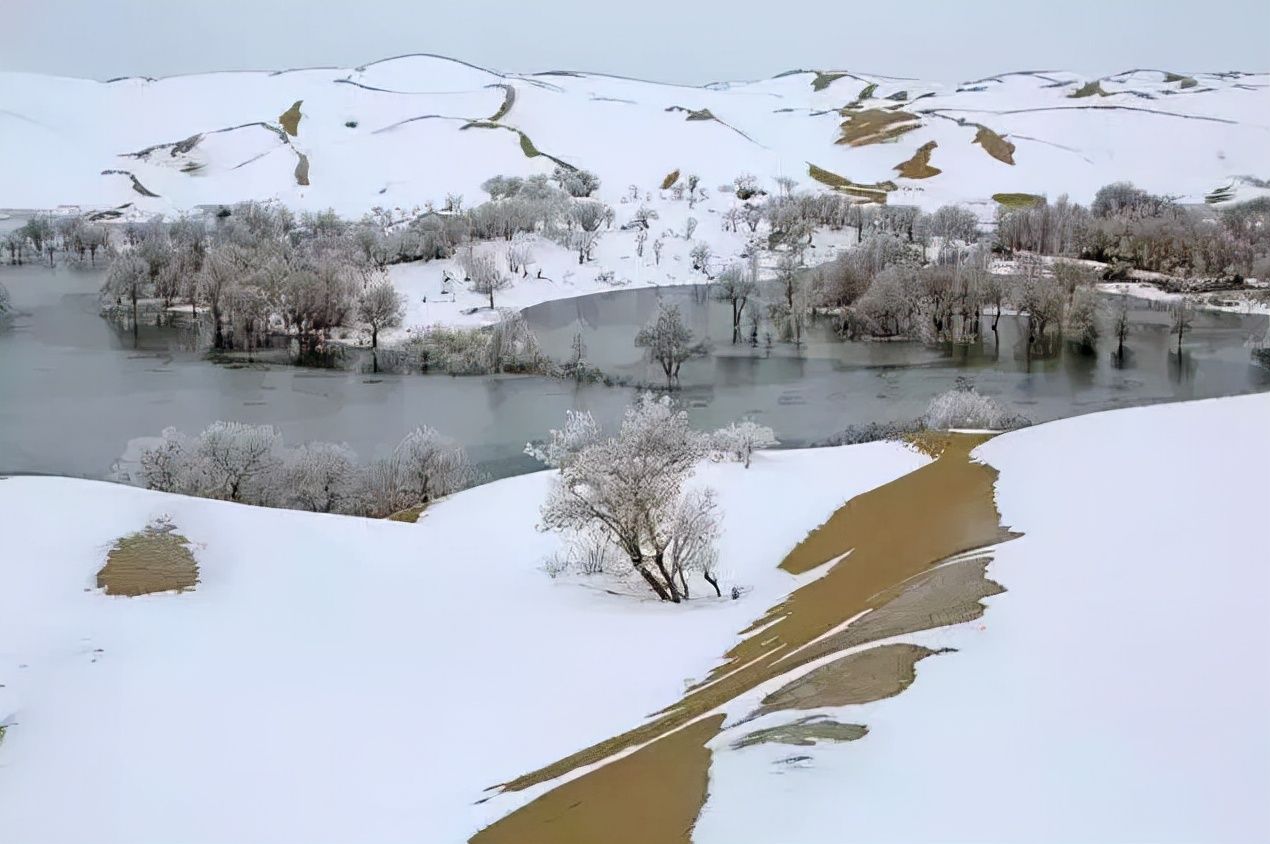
[668, 340]
[1180, 320]
[735, 285]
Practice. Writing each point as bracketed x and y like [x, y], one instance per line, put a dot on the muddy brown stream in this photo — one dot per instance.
[895, 557]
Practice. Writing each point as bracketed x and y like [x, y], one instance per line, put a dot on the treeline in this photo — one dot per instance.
[251, 464]
[43, 236]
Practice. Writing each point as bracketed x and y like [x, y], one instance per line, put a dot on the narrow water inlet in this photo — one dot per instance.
[898, 535]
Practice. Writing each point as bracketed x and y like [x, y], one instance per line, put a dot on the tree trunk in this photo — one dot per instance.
[650, 578]
[713, 581]
[660, 560]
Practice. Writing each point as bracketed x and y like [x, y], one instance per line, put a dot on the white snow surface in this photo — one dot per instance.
[1117, 691]
[409, 146]
[340, 679]
[336, 679]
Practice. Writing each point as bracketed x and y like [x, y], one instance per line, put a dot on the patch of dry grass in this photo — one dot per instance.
[1018, 200]
[875, 192]
[875, 125]
[290, 119]
[669, 182]
[995, 145]
[918, 167]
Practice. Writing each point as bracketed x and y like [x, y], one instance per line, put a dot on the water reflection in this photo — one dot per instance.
[74, 391]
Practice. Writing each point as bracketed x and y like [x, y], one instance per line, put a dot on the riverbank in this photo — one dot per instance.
[396, 671]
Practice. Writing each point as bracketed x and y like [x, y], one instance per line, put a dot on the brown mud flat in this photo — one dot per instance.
[894, 557]
[803, 732]
[156, 559]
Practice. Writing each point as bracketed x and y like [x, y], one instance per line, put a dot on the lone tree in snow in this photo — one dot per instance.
[380, 306]
[483, 273]
[668, 341]
[629, 489]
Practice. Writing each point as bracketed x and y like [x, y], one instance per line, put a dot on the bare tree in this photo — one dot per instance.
[1121, 323]
[1180, 319]
[483, 273]
[735, 285]
[432, 465]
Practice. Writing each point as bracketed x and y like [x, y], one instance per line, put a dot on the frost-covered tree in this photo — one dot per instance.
[953, 222]
[967, 408]
[380, 306]
[127, 280]
[564, 444]
[630, 487]
[575, 182]
[740, 440]
[658, 245]
[320, 477]
[745, 186]
[700, 256]
[483, 273]
[1080, 321]
[238, 460]
[668, 340]
[6, 303]
[432, 466]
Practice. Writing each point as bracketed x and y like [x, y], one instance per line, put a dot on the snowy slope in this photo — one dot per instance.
[1117, 691]
[339, 679]
[406, 131]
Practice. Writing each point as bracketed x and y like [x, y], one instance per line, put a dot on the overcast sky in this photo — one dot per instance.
[690, 41]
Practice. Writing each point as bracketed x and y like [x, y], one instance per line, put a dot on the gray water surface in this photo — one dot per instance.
[74, 391]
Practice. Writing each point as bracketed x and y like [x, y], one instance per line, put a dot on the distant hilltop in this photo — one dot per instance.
[410, 130]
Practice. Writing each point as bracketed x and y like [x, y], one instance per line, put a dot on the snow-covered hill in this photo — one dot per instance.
[337, 679]
[406, 131]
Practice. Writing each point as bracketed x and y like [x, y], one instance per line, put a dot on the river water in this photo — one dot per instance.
[74, 391]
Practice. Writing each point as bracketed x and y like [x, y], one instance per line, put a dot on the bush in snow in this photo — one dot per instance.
[967, 408]
[630, 489]
[740, 440]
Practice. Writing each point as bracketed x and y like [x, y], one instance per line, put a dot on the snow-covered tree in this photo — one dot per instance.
[740, 440]
[967, 408]
[700, 255]
[432, 465]
[575, 182]
[483, 273]
[668, 340]
[238, 460]
[127, 280]
[630, 487]
[1080, 322]
[564, 444]
[320, 477]
[380, 306]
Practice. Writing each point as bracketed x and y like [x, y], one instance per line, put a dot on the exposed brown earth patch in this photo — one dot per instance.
[301, 169]
[652, 795]
[918, 167]
[861, 677]
[995, 145]
[156, 559]
[883, 549]
[669, 182]
[1089, 89]
[290, 119]
[875, 192]
[409, 515]
[824, 80]
[803, 732]
[875, 126]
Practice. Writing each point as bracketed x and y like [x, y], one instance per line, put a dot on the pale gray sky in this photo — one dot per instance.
[689, 41]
